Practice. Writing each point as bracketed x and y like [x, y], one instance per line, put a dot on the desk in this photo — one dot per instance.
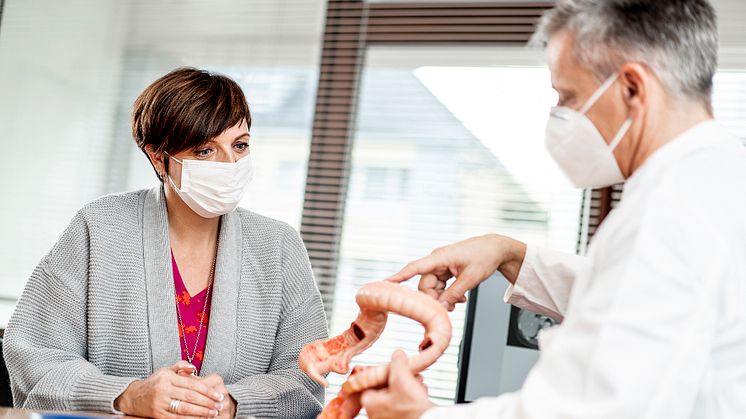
[8, 413]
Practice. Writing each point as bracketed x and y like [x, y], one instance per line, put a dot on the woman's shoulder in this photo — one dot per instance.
[115, 207]
[263, 225]
[260, 231]
[283, 256]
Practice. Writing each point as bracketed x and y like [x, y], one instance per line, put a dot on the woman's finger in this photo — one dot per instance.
[182, 365]
[185, 408]
[191, 383]
[195, 398]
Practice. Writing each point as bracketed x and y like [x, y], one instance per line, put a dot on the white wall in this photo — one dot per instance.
[69, 72]
[47, 146]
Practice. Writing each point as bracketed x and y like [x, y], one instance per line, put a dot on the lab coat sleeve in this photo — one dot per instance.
[636, 342]
[544, 282]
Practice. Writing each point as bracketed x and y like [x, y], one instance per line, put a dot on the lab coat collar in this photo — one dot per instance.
[703, 135]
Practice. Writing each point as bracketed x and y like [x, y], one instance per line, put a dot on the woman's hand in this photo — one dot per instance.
[471, 261]
[152, 396]
[229, 404]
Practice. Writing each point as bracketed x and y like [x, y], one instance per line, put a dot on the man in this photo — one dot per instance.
[654, 318]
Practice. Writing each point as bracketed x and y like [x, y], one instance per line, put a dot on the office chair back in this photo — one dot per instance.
[6, 397]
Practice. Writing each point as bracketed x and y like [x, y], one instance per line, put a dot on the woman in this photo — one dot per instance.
[171, 301]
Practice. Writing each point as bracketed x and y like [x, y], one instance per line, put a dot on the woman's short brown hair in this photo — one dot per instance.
[186, 108]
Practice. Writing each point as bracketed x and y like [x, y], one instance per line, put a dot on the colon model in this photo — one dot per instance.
[375, 300]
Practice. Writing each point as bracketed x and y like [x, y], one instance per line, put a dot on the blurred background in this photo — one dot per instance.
[441, 135]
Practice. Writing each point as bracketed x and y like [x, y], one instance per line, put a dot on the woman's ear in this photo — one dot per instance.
[156, 159]
[636, 81]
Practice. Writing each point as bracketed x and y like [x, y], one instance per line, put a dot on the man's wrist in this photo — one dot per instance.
[513, 252]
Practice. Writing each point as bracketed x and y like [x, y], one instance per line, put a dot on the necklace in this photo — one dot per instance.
[204, 308]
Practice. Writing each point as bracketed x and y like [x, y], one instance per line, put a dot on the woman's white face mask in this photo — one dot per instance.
[579, 148]
[210, 188]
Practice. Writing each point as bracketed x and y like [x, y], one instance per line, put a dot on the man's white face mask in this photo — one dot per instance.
[212, 189]
[579, 148]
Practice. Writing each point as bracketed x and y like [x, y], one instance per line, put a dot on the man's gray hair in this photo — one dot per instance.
[676, 39]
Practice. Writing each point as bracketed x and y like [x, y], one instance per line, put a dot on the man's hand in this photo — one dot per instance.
[404, 398]
[471, 261]
[152, 396]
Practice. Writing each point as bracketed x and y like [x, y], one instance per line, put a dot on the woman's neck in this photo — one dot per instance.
[185, 226]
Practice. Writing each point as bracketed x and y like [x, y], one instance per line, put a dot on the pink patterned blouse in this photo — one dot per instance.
[191, 308]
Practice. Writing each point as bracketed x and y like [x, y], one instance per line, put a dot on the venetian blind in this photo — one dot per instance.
[69, 72]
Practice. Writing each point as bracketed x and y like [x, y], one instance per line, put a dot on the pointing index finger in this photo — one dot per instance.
[420, 266]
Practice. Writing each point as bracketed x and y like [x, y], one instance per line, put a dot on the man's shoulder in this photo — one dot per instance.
[708, 175]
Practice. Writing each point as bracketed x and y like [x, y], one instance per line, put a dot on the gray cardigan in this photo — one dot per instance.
[99, 312]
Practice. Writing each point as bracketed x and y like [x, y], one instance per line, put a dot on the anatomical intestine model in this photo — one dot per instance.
[375, 300]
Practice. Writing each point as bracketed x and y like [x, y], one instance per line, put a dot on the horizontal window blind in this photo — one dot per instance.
[70, 71]
[729, 101]
[413, 22]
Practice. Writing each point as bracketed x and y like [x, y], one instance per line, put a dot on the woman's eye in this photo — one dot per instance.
[242, 146]
[203, 152]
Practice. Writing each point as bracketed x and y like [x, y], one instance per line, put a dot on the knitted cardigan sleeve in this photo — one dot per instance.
[45, 341]
[285, 391]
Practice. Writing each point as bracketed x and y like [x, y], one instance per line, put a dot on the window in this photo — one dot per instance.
[443, 152]
[386, 183]
[729, 101]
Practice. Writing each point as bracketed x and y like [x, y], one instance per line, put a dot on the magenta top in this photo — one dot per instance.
[191, 307]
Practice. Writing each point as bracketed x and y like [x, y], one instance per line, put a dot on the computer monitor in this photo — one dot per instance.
[498, 347]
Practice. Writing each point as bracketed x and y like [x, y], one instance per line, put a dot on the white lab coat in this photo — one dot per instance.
[655, 316]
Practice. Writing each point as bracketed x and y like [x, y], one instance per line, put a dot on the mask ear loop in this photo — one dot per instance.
[170, 180]
[592, 100]
[620, 134]
[597, 94]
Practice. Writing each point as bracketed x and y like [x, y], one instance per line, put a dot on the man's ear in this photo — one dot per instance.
[636, 80]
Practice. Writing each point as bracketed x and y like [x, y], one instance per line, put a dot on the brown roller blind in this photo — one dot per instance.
[328, 161]
[451, 22]
[601, 202]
